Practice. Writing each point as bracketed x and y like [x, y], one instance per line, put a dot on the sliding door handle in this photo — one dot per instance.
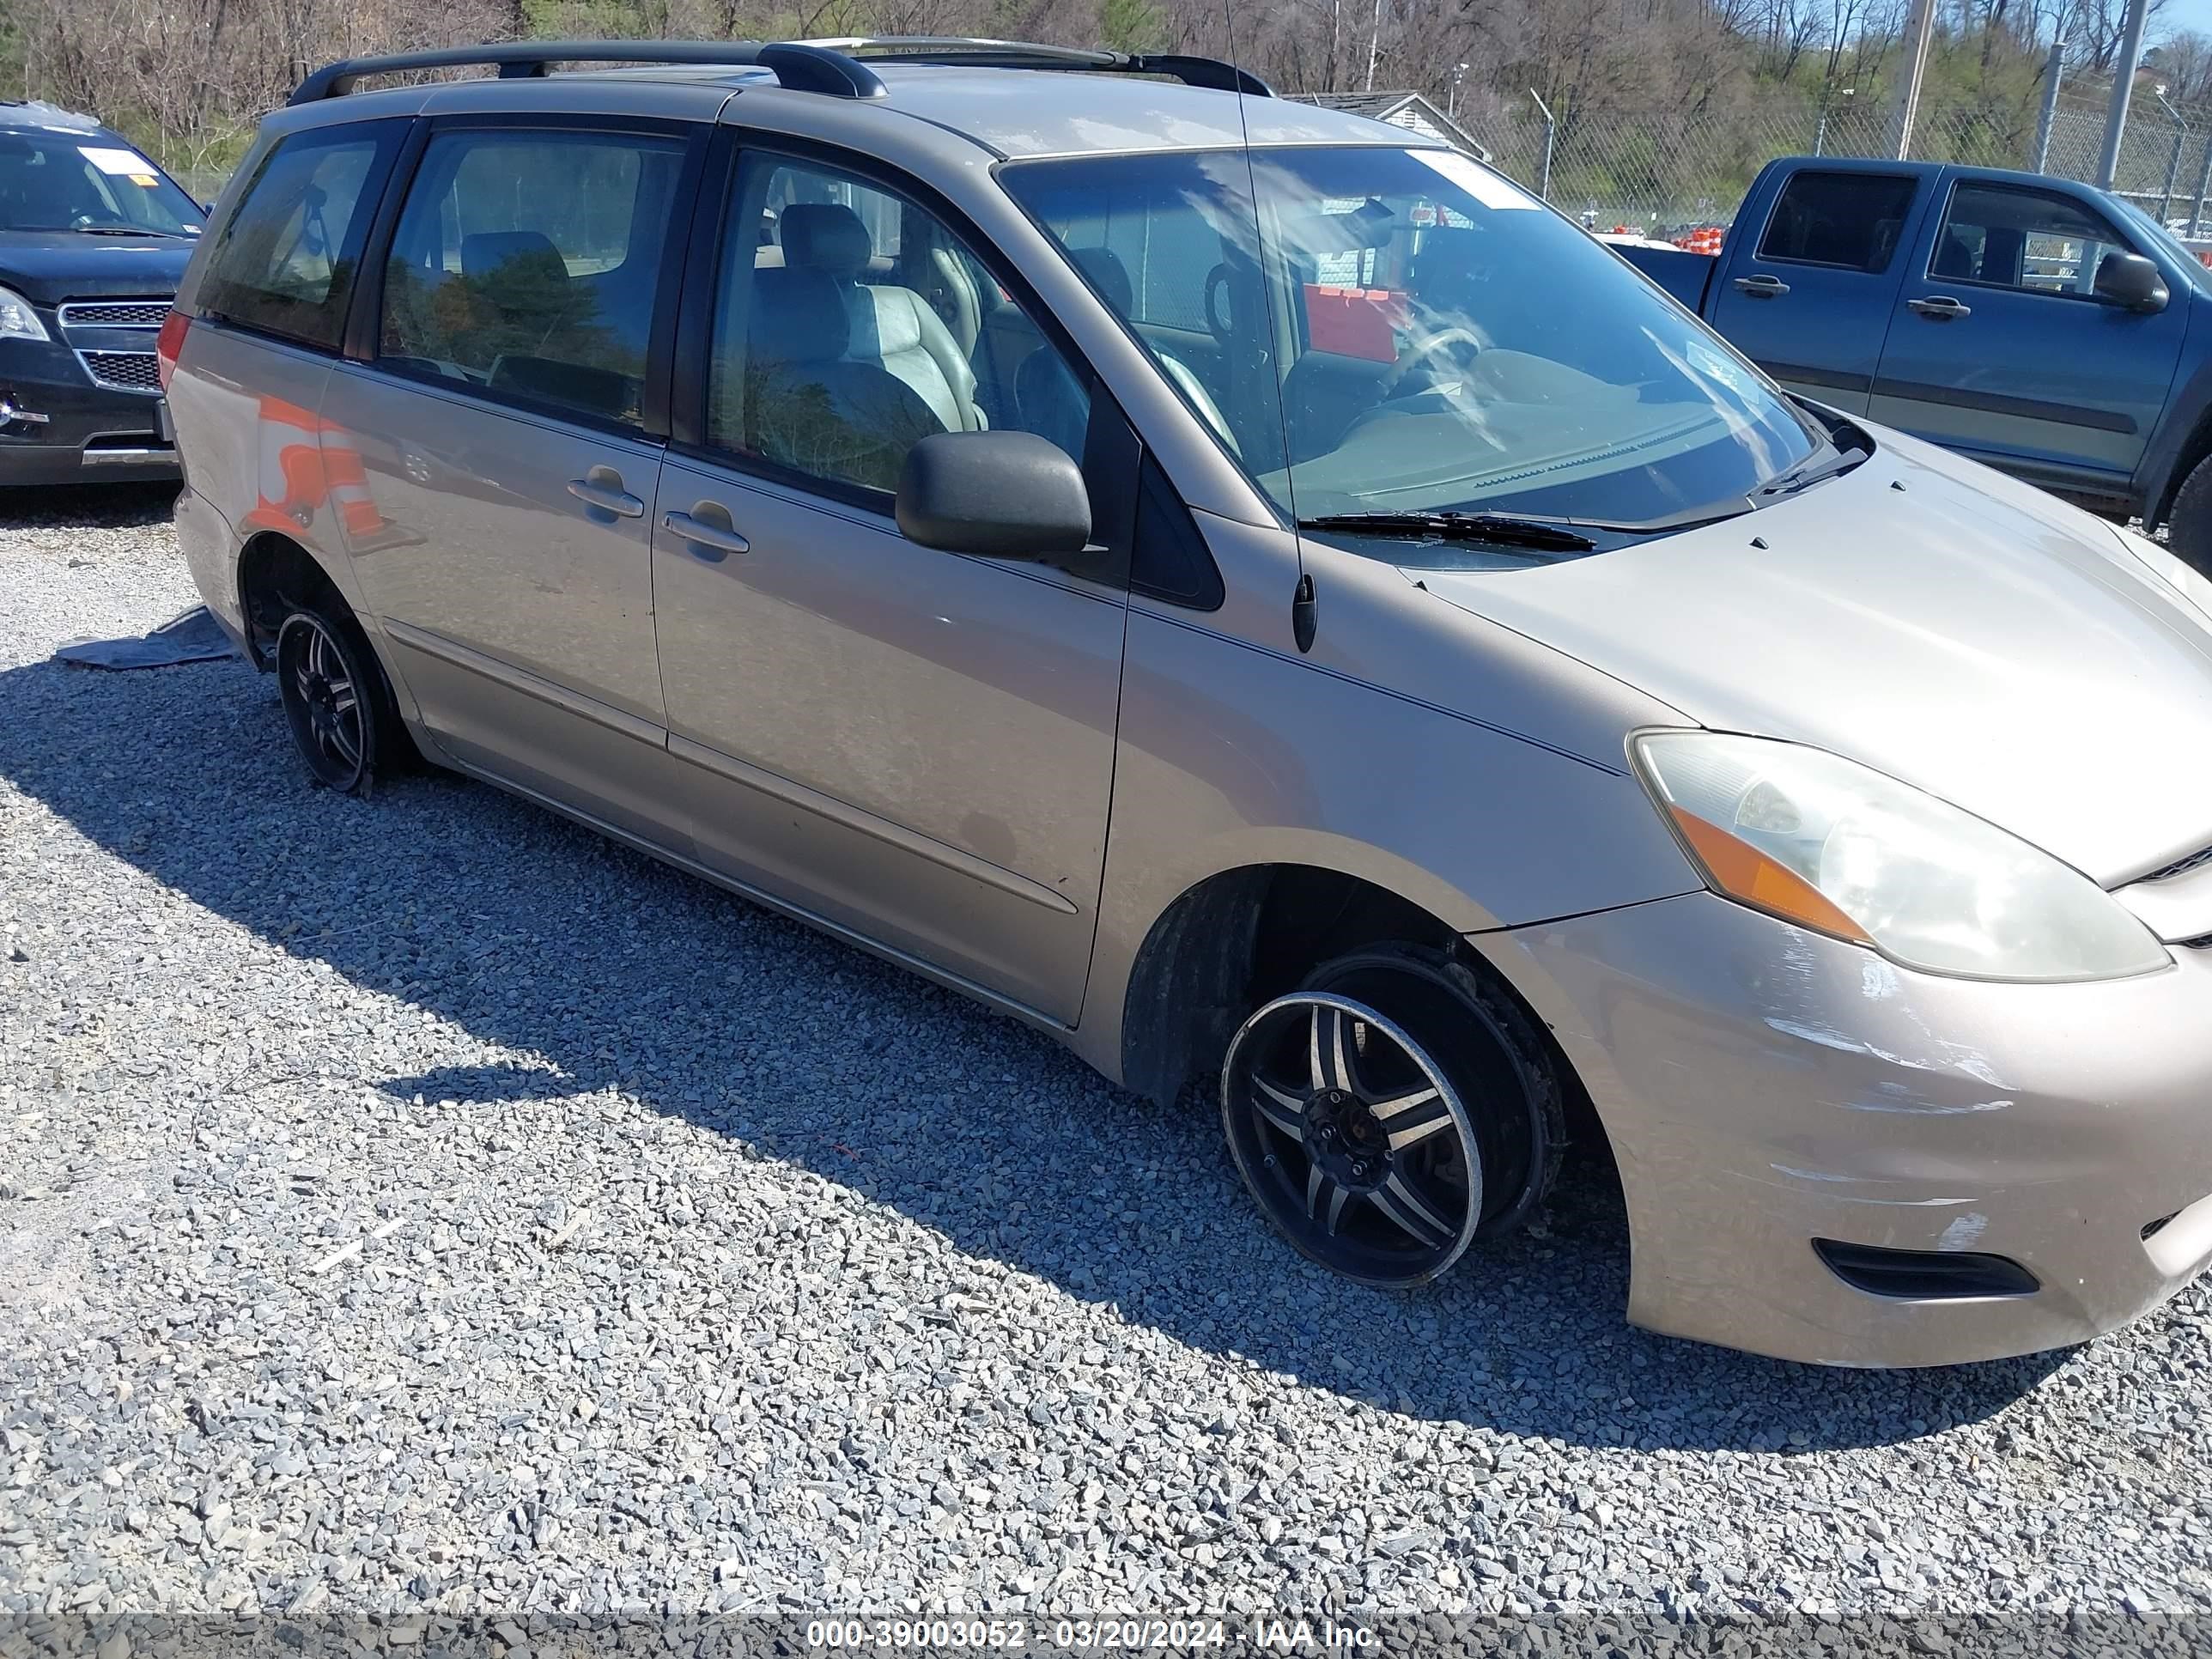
[699, 533]
[607, 497]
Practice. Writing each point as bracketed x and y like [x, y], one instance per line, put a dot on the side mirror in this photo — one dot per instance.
[2131, 280]
[1000, 494]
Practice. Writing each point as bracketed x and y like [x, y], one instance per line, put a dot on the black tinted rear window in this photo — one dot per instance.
[287, 260]
[1849, 218]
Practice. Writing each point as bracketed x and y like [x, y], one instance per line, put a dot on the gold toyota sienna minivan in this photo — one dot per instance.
[1248, 591]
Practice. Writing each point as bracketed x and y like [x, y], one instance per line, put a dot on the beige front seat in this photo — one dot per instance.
[893, 328]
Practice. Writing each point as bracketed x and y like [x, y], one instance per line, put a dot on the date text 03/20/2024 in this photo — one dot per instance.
[1268, 1635]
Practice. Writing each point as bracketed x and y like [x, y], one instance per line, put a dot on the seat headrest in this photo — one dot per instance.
[826, 236]
[799, 317]
[486, 251]
[1105, 271]
[1956, 256]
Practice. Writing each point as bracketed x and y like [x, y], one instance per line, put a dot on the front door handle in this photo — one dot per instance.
[1940, 307]
[602, 488]
[699, 533]
[1762, 288]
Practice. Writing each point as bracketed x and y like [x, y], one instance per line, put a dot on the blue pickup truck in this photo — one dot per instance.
[2045, 327]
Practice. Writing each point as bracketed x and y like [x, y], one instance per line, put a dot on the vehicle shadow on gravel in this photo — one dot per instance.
[613, 971]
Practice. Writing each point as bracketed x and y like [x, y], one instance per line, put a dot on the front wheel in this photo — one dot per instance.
[2188, 520]
[341, 715]
[1390, 1111]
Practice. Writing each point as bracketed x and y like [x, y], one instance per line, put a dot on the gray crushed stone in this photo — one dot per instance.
[423, 1206]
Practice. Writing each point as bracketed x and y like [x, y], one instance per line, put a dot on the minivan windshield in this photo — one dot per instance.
[1393, 335]
[88, 182]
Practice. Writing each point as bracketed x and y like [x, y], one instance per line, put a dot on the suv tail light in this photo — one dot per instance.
[169, 344]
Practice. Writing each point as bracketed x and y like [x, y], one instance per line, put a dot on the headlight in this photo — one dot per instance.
[1836, 846]
[17, 320]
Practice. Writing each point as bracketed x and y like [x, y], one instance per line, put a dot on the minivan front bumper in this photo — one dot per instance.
[1764, 1087]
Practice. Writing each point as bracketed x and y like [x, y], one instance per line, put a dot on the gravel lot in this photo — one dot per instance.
[422, 1201]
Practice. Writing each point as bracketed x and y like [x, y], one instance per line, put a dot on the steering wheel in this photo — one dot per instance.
[1425, 353]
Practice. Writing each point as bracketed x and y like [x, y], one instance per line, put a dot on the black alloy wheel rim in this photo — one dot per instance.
[323, 700]
[1352, 1138]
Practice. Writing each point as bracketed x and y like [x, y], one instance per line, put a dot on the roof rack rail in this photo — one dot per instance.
[964, 51]
[803, 67]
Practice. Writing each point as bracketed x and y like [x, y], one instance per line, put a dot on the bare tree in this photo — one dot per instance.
[2093, 30]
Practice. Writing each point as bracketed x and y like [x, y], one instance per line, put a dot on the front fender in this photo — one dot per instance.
[2188, 410]
[1234, 757]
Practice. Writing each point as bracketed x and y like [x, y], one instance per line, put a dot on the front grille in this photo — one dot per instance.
[124, 371]
[115, 313]
[2194, 861]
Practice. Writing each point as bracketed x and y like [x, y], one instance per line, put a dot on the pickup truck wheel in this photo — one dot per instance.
[2188, 520]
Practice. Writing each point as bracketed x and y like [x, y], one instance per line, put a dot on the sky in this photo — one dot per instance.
[2181, 14]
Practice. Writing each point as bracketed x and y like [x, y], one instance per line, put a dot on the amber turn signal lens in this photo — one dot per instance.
[1743, 872]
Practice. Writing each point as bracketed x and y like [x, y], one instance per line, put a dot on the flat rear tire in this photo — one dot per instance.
[336, 702]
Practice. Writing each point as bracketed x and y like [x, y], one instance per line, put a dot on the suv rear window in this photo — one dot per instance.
[1848, 219]
[286, 261]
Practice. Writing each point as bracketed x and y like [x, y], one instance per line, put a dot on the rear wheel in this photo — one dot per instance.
[336, 701]
[2188, 520]
[1389, 1112]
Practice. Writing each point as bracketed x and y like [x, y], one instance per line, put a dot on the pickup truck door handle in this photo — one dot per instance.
[1763, 287]
[602, 488]
[1940, 307]
[701, 536]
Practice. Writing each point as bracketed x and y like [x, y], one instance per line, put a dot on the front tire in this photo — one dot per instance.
[2188, 520]
[339, 708]
[1389, 1112]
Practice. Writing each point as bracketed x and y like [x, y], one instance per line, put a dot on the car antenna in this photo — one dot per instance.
[1305, 614]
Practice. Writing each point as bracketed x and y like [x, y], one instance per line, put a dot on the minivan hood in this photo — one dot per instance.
[1964, 633]
[49, 266]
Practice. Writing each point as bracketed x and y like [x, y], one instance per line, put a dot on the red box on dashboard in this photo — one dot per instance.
[1355, 322]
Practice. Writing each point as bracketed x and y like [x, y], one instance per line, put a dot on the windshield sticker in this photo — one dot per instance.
[1477, 180]
[119, 163]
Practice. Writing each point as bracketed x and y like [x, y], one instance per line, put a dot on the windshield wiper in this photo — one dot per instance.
[1817, 468]
[1498, 529]
[100, 230]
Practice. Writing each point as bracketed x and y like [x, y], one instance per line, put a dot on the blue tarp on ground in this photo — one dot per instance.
[195, 636]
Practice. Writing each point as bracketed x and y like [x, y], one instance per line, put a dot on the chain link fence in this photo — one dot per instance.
[201, 184]
[1661, 173]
